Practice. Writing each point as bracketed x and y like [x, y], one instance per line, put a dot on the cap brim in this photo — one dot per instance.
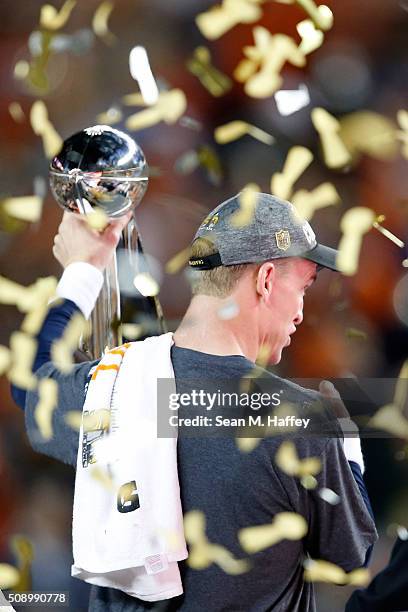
[323, 256]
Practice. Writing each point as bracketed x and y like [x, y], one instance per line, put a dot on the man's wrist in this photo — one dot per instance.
[81, 283]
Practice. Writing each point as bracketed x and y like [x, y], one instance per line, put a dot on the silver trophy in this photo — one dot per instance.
[104, 168]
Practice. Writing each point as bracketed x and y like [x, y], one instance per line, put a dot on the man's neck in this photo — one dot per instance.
[203, 329]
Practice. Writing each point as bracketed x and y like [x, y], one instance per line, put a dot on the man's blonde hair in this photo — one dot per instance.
[217, 282]
[221, 281]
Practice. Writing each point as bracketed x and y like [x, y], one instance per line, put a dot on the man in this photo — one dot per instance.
[262, 270]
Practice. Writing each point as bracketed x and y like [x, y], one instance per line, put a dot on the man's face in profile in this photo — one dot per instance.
[285, 304]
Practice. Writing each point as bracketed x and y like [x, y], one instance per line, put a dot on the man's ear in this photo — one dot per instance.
[265, 279]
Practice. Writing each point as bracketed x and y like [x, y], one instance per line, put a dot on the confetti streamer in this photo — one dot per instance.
[402, 118]
[391, 417]
[25, 208]
[51, 19]
[223, 17]
[210, 77]
[203, 553]
[312, 38]
[352, 332]
[16, 112]
[140, 70]
[356, 222]
[135, 99]
[110, 117]
[169, 108]
[247, 202]
[329, 496]
[63, 349]
[100, 22]
[146, 284]
[369, 133]
[291, 101]
[42, 126]
[103, 477]
[377, 225]
[236, 129]
[334, 151]
[9, 576]
[41, 293]
[321, 15]
[97, 219]
[285, 526]
[178, 261]
[23, 351]
[297, 160]
[317, 570]
[48, 396]
[308, 202]
[270, 53]
[132, 331]
[287, 460]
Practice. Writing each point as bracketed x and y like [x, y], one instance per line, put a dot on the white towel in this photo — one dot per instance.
[135, 550]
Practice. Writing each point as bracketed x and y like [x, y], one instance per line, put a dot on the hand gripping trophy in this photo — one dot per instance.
[104, 168]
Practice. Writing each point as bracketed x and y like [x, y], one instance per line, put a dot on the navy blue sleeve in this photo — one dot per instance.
[358, 477]
[52, 329]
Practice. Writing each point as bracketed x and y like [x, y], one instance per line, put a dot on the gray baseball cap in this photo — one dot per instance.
[275, 231]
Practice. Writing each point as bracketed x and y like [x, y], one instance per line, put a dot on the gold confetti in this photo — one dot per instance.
[248, 444]
[103, 477]
[42, 291]
[385, 232]
[317, 570]
[269, 54]
[135, 99]
[287, 460]
[285, 526]
[335, 152]
[9, 576]
[178, 261]
[25, 208]
[42, 126]
[308, 202]
[402, 118]
[110, 117]
[236, 129]
[63, 349]
[312, 38]
[100, 22]
[405, 263]
[321, 15]
[132, 331]
[97, 219]
[16, 112]
[366, 132]
[391, 417]
[297, 160]
[356, 222]
[146, 284]
[91, 421]
[23, 351]
[222, 17]
[48, 396]
[210, 77]
[169, 108]
[352, 332]
[247, 202]
[203, 553]
[27, 299]
[51, 19]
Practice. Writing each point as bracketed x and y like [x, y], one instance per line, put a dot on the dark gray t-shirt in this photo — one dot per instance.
[235, 490]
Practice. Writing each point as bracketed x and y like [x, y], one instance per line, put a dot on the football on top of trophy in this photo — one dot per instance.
[99, 167]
